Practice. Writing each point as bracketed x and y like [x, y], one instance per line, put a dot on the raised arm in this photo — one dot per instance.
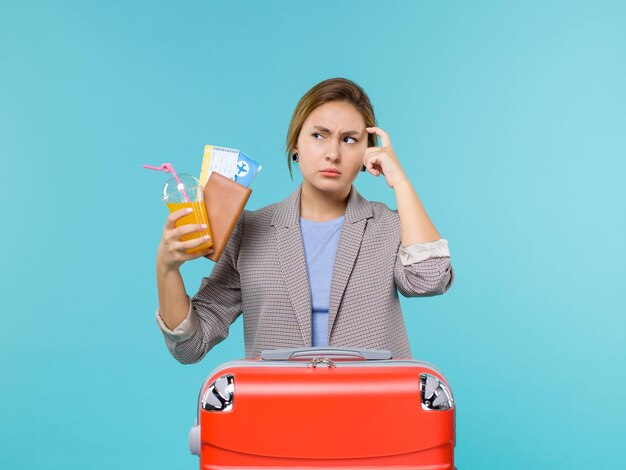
[216, 305]
[423, 265]
[173, 299]
[416, 226]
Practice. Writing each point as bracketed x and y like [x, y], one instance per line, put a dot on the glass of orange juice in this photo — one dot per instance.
[188, 193]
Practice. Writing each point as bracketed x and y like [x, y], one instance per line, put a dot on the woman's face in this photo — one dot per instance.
[331, 146]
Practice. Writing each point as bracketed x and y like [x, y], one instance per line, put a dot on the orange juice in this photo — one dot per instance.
[198, 216]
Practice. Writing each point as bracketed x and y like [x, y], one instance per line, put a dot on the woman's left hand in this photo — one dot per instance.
[383, 160]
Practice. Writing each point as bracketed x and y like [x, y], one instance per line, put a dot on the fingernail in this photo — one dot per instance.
[188, 210]
[206, 237]
[204, 225]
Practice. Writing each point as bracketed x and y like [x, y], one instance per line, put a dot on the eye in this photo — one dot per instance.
[355, 141]
[315, 134]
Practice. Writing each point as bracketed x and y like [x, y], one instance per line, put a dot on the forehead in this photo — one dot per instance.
[336, 115]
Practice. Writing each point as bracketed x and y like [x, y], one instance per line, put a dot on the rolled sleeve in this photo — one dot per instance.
[418, 252]
[424, 269]
[182, 332]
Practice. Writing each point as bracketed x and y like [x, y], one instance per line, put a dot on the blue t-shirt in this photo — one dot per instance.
[320, 241]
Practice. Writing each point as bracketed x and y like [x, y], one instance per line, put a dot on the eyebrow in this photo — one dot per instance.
[323, 129]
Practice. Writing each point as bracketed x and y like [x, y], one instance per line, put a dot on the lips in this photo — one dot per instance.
[331, 170]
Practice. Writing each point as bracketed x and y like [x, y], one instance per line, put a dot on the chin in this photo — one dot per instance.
[331, 186]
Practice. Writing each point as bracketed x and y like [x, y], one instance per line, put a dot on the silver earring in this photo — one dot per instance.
[294, 157]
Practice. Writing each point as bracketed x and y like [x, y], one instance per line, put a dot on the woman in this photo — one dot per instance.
[322, 267]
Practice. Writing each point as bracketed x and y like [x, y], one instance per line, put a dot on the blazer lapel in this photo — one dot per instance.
[286, 221]
[358, 211]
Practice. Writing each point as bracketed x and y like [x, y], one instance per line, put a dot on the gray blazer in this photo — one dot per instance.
[263, 274]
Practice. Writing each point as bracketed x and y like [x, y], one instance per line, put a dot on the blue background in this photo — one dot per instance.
[509, 117]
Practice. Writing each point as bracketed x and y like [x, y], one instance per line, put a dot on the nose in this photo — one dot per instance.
[332, 152]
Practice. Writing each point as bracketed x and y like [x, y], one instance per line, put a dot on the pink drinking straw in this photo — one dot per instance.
[167, 168]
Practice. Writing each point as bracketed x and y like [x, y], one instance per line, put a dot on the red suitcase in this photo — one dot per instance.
[325, 408]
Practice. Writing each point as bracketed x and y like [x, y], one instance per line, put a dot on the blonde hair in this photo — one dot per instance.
[333, 89]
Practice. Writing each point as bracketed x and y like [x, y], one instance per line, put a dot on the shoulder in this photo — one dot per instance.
[383, 223]
[381, 236]
[381, 210]
[258, 217]
[284, 210]
[257, 223]
[384, 215]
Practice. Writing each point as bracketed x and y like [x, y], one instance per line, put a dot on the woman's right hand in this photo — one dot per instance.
[172, 252]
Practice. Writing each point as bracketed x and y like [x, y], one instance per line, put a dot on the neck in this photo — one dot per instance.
[321, 206]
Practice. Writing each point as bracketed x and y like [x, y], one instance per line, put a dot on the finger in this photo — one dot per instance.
[207, 253]
[372, 151]
[384, 137]
[195, 255]
[374, 165]
[190, 244]
[373, 171]
[198, 254]
[374, 159]
[376, 151]
[187, 229]
[170, 222]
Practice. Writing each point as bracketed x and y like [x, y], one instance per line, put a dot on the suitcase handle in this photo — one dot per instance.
[335, 354]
